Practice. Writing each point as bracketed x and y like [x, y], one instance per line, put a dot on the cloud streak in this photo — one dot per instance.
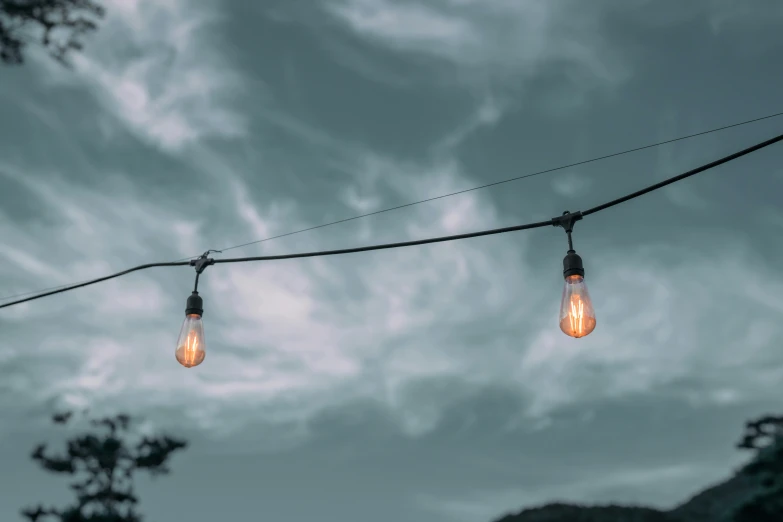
[157, 67]
[496, 36]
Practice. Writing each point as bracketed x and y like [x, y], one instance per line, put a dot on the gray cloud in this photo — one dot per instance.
[430, 382]
[523, 37]
[157, 67]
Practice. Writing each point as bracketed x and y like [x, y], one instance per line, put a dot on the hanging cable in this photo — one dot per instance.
[682, 176]
[554, 221]
[494, 183]
[517, 178]
[558, 221]
[94, 281]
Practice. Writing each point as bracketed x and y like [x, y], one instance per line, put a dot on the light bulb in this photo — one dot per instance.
[191, 348]
[190, 345]
[577, 317]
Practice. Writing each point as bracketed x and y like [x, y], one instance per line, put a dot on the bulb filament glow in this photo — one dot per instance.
[190, 349]
[577, 315]
[577, 318]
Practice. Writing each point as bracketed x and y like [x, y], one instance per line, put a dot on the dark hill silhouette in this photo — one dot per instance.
[715, 504]
[577, 513]
[753, 494]
[719, 501]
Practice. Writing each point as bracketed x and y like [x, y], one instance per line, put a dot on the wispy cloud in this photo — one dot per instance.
[487, 114]
[571, 184]
[157, 66]
[497, 38]
[409, 26]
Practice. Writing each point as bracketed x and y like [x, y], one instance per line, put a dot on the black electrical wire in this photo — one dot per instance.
[557, 221]
[682, 176]
[494, 183]
[93, 281]
[553, 221]
[517, 178]
[385, 246]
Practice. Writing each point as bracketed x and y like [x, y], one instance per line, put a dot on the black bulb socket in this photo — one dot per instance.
[572, 265]
[195, 305]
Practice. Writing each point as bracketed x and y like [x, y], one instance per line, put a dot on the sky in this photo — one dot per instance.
[424, 384]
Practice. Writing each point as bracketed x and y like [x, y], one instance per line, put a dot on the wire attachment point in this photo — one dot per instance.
[567, 220]
[203, 261]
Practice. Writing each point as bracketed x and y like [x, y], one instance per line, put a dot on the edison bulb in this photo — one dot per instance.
[190, 345]
[577, 317]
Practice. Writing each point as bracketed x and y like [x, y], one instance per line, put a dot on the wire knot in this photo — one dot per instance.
[567, 220]
[203, 261]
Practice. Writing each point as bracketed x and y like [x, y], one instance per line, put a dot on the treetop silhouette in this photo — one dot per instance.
[104, 464]
[58, 25]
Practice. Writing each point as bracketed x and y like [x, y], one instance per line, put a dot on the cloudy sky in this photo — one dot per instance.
[426, 384]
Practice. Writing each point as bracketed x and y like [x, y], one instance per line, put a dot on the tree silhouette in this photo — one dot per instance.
[104, 462]
[764, 436]
[58, 25]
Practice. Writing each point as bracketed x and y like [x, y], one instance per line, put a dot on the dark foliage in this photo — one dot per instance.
[58, 25]
[765, 437]
[764, 508]
[103, 464]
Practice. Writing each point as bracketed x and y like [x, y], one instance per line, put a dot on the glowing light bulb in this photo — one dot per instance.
[577, 317]
[190, 345]
[191, 348]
